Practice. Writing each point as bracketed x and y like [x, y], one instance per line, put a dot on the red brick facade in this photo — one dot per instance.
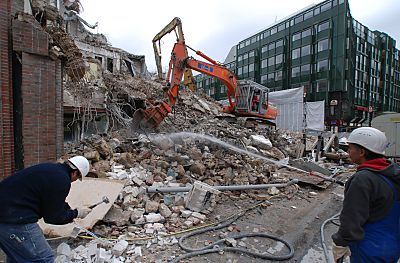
[29, 39]
[6, 96]
[39, 121]
[31, 107]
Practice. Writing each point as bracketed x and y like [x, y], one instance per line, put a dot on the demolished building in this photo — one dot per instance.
[95, 88]
[48, 61]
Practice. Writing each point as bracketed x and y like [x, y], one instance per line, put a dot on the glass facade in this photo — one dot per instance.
[336, 59]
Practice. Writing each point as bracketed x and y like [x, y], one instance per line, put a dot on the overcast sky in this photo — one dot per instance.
[213, 26]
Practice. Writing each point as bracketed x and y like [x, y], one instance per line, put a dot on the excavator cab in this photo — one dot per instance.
[252, 100]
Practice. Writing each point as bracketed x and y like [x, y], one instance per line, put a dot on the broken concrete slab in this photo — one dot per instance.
[84, 193]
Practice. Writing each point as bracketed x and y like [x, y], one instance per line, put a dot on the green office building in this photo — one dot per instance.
[334, 57]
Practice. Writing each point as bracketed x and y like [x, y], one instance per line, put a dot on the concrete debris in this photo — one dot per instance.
[120, 248]
[64, 249]
[179, 154]
[261, 142]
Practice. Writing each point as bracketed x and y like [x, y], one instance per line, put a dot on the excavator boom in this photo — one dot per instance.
[248, 99]
[174, 25]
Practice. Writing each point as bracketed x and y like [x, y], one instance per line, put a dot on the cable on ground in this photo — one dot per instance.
[333, 221]
[215, 247]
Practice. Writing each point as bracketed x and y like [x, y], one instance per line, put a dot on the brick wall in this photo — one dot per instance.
[6, 95]
[30, 39]
[39, 95]
[17, 5]
[40, 104]
[59, 109]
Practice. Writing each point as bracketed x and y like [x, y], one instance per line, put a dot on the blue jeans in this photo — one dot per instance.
[25, 243]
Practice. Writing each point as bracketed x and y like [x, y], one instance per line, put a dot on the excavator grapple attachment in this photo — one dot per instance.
[151, 117]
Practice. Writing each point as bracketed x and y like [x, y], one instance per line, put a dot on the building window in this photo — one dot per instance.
[247, 42]
[273, 30]
[279, 43]
[296, 36]
[323, 45]
[323, 26]
[316, 11]
[240, 58]
[99, 59]
[322, 86]
[295, 71]
[264, 49]
[253, 40]
[305, 51]
[110, 65]
[308, 15]
[271, 61]
[281, 27]
[212, 90]
[279, 59]
[264, 79]
[305, 69]
[295, 53]
[223, 89]
[322, 65]
[264, 63]
[271, 46]
[240, 70]
[298, 19]
[251, 67]
[271, 77]
[306, 33]
[267, 33]
[326, 7]
[245, 69]
[251, 54]
[278, 75]
[245, 56]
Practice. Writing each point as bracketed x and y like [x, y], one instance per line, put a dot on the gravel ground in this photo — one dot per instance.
[297, 221]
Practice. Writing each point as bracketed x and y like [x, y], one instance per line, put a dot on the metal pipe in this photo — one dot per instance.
[220, 188]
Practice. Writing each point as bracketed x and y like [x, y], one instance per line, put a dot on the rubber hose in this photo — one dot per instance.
[214, 248]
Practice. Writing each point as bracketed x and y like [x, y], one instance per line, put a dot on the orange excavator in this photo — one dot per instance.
[246, 98]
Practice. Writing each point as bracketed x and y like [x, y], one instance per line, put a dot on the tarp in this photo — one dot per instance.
[291, 110]
[315, 115]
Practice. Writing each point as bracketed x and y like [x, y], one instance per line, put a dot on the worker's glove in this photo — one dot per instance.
[339, 252]
[83, 212]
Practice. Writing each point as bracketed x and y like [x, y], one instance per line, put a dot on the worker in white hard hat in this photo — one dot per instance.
[32, 193]
[369, 222]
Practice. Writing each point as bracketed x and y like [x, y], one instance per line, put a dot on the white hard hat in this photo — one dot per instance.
[80, 163]
[343, 141]
[370, 138]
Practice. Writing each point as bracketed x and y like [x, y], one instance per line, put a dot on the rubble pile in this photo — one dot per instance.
[194, 143]
[133, 87]
[204, 152]
[75, 65]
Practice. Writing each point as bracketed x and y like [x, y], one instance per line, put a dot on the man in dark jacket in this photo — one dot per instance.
[369, 222]
[30, 194]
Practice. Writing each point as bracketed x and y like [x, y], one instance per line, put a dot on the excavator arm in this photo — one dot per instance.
[176, 26]
[180, 62]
